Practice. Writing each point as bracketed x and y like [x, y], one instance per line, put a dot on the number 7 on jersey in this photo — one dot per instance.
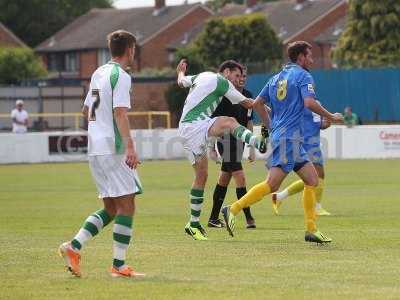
[95, 104]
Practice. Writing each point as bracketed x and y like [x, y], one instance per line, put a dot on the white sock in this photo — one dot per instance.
[282, 195]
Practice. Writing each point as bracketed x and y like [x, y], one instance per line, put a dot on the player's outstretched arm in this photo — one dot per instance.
[121, 118]
[247, 103]
[261, 109]
[314, 106]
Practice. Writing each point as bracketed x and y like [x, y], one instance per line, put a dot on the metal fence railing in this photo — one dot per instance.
[79, 122]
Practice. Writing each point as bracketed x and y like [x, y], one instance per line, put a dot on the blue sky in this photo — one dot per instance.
[136, 3]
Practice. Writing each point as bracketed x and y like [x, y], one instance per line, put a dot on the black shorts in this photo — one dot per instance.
[231, 167]
[232, 159]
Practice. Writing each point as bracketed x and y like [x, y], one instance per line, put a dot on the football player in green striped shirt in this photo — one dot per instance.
[112, 157]
[196, 126]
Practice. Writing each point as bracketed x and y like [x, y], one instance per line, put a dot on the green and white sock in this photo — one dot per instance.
[122, 233]
[196, 201]
[246, 136]
[92, 226]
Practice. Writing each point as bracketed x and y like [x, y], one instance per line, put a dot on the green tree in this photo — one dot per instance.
[19, 63]
[372, 35]
[247, 39]
[33, 21]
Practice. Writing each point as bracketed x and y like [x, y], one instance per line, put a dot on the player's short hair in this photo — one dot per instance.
[296, 48]
[231, 65]
[119, 41]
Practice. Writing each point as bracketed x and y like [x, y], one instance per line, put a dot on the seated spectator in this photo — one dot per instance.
[350, 118]
[19, 118]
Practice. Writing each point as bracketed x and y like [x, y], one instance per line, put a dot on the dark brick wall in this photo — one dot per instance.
[87, 63]
[148, 96]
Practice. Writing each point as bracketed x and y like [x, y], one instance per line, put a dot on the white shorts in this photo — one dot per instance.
[113, 177]
[194, 136]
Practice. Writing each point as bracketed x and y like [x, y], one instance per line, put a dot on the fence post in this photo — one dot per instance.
[168, 120]
[40, 120]
[149, 120]
[77, 122]
[62, 101]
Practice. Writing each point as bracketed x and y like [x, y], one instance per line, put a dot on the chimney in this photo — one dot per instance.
[159, 4]
[251, 3]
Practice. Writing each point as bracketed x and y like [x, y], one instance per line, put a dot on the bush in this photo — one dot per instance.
[246, 39]
[372, 35]
[18, 64]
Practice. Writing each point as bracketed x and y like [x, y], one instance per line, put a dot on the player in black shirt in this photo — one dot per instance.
[231, 151]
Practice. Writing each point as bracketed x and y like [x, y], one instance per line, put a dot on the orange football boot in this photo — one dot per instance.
[72, 258]
[126, 271]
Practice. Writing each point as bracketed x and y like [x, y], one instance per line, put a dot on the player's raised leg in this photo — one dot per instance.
[297, 187]
[196, 196]
[277, 198]
[223, 125]
[310, 178]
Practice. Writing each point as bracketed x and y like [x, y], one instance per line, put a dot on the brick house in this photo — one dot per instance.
[9, 39]
[80, 47]
[299, 20]
[314, 21]
[327, 40]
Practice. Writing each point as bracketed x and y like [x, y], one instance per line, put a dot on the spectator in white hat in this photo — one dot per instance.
[19, 118]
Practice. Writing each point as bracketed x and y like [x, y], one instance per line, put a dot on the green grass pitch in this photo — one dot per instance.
[43, 205]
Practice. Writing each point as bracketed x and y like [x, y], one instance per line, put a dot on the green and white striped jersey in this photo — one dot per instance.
[110, 87]
[206, 92]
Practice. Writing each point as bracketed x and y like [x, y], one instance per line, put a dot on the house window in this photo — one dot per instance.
[55, 61]
[63, 62]
[171, 57]
[103, 57]
[71, 62]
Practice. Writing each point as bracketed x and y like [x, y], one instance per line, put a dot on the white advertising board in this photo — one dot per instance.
[338, 142]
